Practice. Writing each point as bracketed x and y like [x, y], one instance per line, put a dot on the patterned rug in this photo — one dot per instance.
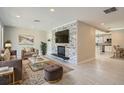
[36, 78]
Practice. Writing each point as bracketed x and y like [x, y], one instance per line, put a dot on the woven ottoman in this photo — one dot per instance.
[53, 73]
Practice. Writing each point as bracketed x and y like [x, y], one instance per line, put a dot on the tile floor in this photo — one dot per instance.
[102, 71]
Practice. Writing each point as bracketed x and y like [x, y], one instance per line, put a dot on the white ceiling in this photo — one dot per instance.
[48, 20]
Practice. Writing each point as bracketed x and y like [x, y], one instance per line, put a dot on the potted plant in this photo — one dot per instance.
[43, 48]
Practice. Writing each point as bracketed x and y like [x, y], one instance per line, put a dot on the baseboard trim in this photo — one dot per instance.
[87, 60]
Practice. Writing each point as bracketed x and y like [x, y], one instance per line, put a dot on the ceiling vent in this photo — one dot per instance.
[110, 10]
[36, 20]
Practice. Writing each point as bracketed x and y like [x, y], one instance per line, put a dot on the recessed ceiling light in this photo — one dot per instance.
[37, 20]
[18, 16]
[52, 10]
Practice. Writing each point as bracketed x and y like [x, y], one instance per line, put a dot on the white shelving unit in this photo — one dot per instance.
[102, 39]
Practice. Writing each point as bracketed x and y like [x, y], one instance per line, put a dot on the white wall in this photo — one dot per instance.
[49, 43]
[118, 38]
[86, 42]
[12, 33]
[0, 36]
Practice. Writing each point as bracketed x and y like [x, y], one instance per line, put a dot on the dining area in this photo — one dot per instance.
[118, 51]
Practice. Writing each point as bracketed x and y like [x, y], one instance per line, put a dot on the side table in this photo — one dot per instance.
[9, 73]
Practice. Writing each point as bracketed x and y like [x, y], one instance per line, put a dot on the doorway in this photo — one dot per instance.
[103, 43]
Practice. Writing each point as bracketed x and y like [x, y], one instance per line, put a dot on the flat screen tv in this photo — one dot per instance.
[62, 36]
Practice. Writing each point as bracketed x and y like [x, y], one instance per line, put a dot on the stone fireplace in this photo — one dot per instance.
[81, 45]
[66, 50]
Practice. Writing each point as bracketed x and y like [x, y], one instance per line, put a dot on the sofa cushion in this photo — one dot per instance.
[32, 49]
[13, 57]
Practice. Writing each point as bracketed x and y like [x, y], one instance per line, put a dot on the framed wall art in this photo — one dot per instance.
[26, 39]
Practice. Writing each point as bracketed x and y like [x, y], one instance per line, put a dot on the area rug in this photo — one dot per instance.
[36, 77]
[41, 65]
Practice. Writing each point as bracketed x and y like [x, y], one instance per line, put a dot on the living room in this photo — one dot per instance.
[50, 41]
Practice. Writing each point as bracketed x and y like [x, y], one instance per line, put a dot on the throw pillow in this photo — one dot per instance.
[7, 55]
[27, 49]
[32, 49]
[24, 49]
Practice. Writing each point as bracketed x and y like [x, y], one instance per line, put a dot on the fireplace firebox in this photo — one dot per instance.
[61, 52]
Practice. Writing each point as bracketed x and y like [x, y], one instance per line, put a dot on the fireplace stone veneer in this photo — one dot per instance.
[71, 47]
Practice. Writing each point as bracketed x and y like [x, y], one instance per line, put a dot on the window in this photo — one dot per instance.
[1, 36]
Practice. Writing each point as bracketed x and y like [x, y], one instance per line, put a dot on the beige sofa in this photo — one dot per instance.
[28, 52]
